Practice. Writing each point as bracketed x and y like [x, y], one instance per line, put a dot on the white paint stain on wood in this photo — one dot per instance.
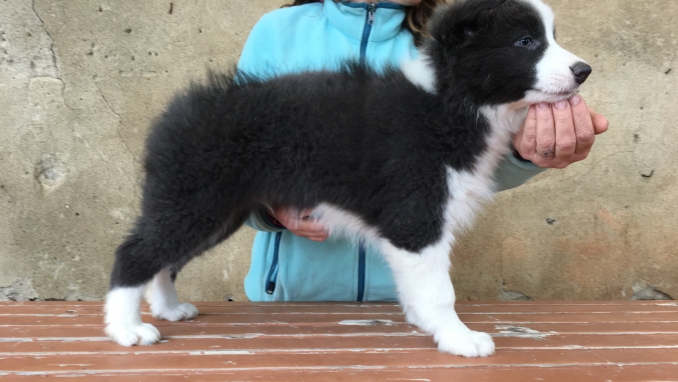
[367, 322]
[520, 332]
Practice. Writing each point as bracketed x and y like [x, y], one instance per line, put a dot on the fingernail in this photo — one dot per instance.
[543, 106]
[560, 105]
[576, 100]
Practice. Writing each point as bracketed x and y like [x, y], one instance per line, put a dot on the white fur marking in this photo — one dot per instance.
[427, 296]
[165, 305]
[342, 222]
[423, 281]
[123, 317]
[555, 80]
[420, 72]
[424, 286]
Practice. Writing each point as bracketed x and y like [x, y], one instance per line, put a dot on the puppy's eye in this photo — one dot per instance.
[525, 41]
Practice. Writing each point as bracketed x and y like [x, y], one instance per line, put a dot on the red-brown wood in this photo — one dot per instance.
[582, 341]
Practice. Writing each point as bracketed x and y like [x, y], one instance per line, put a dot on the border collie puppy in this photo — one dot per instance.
[401, 159]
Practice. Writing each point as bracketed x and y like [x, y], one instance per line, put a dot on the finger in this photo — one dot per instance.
[566, 140]
[525, 141]
[546, 136]
[319, 234]
[318, 238]
[312, 225]
[314, 231]
[307, 226]
[305, 214]
[289, 218]
[301, 223]
[311, 222]
[583, 126]
[600, 123]
[283, 216]
[291, 215]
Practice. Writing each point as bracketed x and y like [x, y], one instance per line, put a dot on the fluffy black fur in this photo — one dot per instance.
[370, 143]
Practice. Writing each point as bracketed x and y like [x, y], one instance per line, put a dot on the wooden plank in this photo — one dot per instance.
[620, 341]
[173, 329]
[245, 360]
[591, 303]
[293, 318]
[374, 342]
[627, 373]
[313, 308]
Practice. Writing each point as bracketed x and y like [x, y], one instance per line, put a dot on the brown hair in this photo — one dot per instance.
[416, 18]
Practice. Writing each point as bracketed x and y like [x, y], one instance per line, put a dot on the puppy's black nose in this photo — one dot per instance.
[581, 72]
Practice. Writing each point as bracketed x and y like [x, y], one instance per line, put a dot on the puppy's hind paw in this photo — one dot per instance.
[128, 335]
[177, 312]
[466, 343]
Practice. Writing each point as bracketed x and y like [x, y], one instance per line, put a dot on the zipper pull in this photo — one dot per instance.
[370, 13]
[270, 287]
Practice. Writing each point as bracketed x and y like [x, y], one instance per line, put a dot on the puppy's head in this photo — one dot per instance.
[502, 51]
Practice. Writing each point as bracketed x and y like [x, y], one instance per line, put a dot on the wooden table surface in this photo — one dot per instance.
[536, 341]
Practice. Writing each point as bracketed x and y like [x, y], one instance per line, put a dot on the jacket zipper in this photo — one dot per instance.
[275, 267]
[361, 272]
[371, 9]
[369, 21]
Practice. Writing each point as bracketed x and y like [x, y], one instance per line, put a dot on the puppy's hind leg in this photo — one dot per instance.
[427, 296]
[162, 296]
[132, 271]
[157, 244]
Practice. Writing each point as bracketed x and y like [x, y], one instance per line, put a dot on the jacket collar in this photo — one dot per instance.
[351, 19]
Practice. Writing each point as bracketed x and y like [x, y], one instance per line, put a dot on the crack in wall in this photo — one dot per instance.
[124, 142]
[51, 45]
[135, 178]
[103, 96]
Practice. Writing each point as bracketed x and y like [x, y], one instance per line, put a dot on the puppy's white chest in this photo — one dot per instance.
[468, 189]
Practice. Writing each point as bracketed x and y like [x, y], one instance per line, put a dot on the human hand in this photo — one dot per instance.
[300, 223]
[557, 135]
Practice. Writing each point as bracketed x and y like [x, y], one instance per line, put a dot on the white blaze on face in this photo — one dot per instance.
[555, 80]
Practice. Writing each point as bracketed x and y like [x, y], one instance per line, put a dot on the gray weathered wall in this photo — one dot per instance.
[80, 82]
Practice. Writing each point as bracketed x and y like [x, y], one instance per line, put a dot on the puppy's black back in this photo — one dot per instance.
[372, 144]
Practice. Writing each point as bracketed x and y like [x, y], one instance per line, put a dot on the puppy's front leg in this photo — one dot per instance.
[427, 297]
[123, 317]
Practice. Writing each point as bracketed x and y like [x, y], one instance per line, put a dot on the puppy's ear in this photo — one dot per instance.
[469, 28]
[459, 22]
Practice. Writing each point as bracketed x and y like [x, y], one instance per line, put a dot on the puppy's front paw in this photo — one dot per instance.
[128, 335]
[467, 343]
[177, 312]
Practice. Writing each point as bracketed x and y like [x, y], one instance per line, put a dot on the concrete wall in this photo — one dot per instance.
[80, 81]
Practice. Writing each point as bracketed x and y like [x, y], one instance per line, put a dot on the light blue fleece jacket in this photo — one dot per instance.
[286, 267]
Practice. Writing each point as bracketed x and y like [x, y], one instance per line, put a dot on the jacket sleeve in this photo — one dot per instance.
[258, 55]
[259, 220]
[513, 172]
